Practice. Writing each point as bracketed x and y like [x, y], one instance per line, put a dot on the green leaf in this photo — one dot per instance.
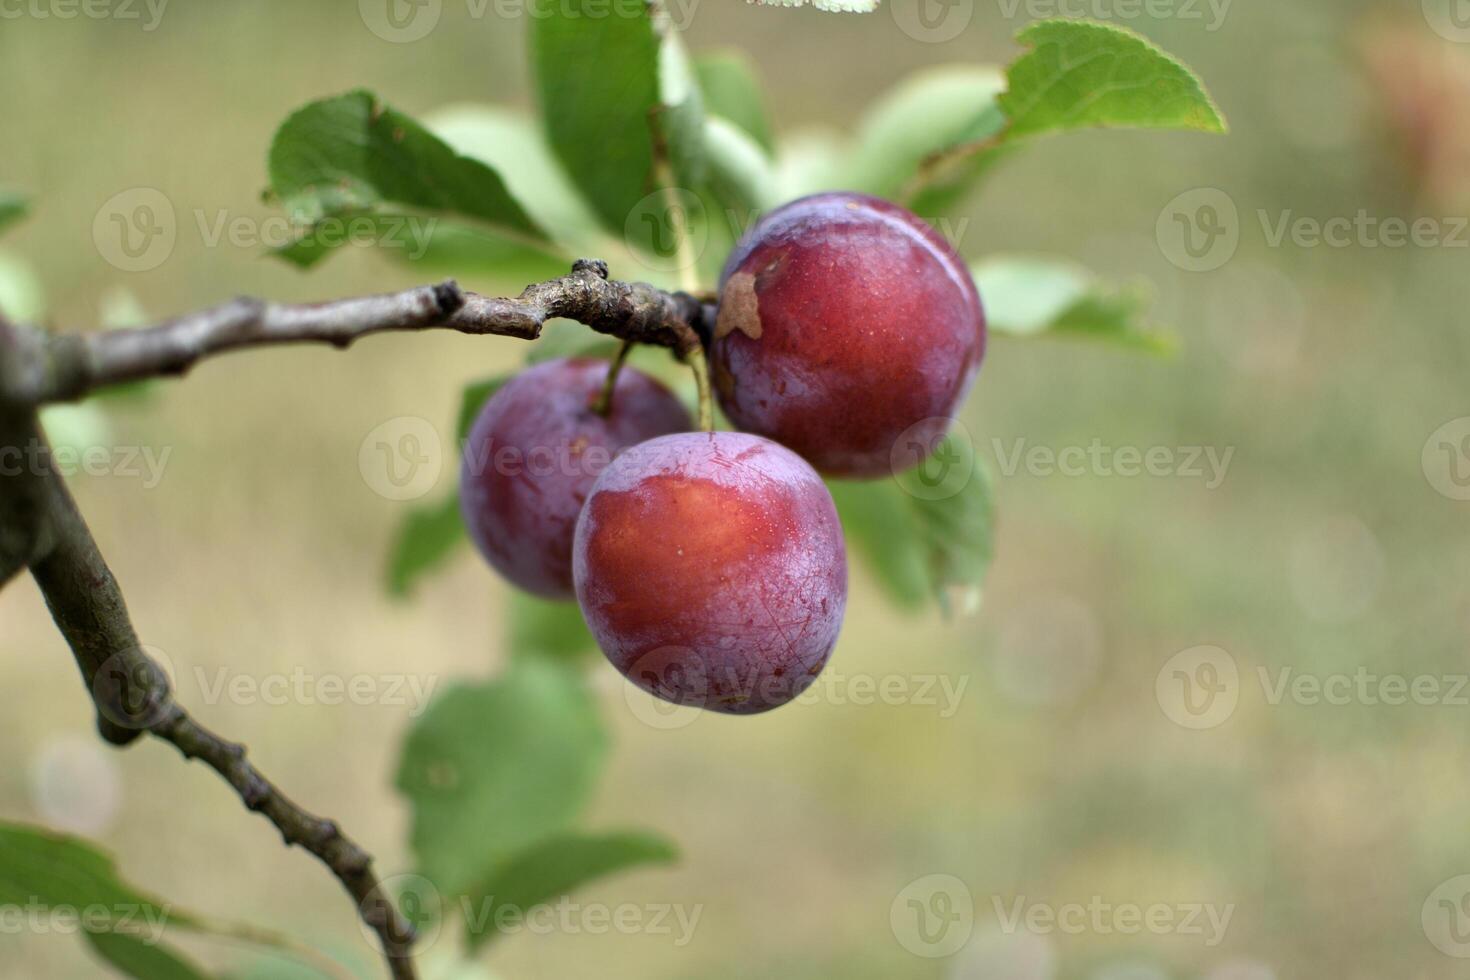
[69, 875]
[542, 628]
[1080, 74]
[926, 533]
[135, 958]
[731, 89]
[472, 399]
[427, 538]
[495, 767]
[514, 144]
[808, 162]
[1031, 297]
[435, 245]
[603, 82]
[553, 868]
[742, 178]
[932, 110]
[485, 257]
[351, 155]
[958, 533]
[880, 527]
[13, 206]
[22, 297]
[61, 870]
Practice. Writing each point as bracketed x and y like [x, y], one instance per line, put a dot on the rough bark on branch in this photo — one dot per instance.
[40, 367]
[131, 694]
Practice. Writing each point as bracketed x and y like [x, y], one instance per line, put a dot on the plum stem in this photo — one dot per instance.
[603, 404]
[699, 364]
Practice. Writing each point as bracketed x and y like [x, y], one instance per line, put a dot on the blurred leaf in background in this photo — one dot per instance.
[61, 874]
[495, 766]
[1039, 297]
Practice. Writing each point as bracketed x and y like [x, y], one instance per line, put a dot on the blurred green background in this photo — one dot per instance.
[1058, 777]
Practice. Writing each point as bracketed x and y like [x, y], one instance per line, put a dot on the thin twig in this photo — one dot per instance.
[42, 367]
[132, 696]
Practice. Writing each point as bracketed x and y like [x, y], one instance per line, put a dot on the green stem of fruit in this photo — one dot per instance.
[700, 366]
[603, 405]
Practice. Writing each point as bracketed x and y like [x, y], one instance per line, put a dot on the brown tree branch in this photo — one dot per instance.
[41, 528]
[131, 694]
[45, 367]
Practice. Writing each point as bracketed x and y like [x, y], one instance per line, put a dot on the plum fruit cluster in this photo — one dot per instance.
[710, 566]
